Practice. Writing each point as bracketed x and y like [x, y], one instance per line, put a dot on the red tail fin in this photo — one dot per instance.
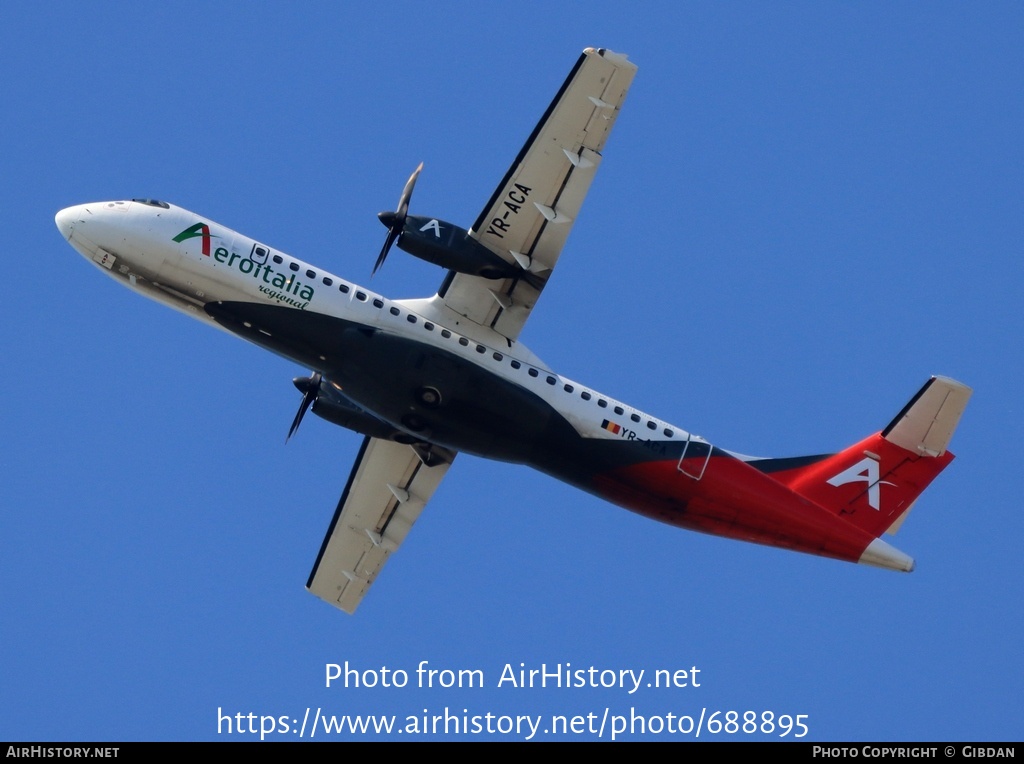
[874, 483]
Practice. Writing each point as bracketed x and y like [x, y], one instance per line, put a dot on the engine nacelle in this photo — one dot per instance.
[343, 412]
[451, 247]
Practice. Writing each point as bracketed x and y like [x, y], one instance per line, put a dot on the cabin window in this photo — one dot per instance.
[669, 432]
[278, 259]
[652, 426]
[329, 281]
[551, 380]
[602, 403]
[635, 417]
[585, 395]
[567, 388]
[516, 364]
[293, 266]
[481, 349]
[343, 288]
[497, 356]
[395, 311]
[411, 318]
[445, 333]
[533, 372]
[618, 410]
[463, 341]
[361, 296]
[428, 326]
[378, 303]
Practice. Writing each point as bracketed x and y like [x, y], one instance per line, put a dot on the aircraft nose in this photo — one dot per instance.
[66, 219]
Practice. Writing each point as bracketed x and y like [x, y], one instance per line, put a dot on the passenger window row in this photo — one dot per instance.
[311, 274]
[584, 394]
[464, 342]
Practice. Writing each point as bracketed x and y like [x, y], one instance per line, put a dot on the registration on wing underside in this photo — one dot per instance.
[532, 211]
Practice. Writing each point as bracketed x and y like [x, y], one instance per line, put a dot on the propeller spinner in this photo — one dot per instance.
[395, 221]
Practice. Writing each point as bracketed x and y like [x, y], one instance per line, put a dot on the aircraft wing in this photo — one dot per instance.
[531, 212]
[388, 488]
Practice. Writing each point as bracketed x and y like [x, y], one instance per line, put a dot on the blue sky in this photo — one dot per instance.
[804, 210]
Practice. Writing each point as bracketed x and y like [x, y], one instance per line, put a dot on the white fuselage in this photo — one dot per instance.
[185, 261]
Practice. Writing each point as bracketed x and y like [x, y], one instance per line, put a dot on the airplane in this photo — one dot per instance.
[425, 379]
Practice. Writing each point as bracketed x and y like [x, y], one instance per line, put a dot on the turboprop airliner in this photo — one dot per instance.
[425, 379]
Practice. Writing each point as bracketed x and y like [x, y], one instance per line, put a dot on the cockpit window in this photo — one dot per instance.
[153, 203]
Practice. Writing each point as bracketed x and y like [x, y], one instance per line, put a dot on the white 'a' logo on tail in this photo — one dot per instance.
[865, 470]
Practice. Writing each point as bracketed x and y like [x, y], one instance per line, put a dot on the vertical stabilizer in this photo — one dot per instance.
[873, 483]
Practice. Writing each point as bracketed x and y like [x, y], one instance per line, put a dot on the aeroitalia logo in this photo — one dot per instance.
[284, 288]
[199, 229]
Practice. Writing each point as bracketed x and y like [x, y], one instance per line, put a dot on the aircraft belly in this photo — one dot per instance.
[440, 397]
[389, 375]
[733, 500]
[443, 398]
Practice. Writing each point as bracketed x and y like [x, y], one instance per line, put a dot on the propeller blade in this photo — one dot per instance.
[391, 237]
[403, 200]
[310, 389]
[395, 221]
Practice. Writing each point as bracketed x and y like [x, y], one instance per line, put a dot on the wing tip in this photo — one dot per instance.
[619, 59]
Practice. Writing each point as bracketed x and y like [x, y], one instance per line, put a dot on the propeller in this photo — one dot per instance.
[310, 389]
[395, 221]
